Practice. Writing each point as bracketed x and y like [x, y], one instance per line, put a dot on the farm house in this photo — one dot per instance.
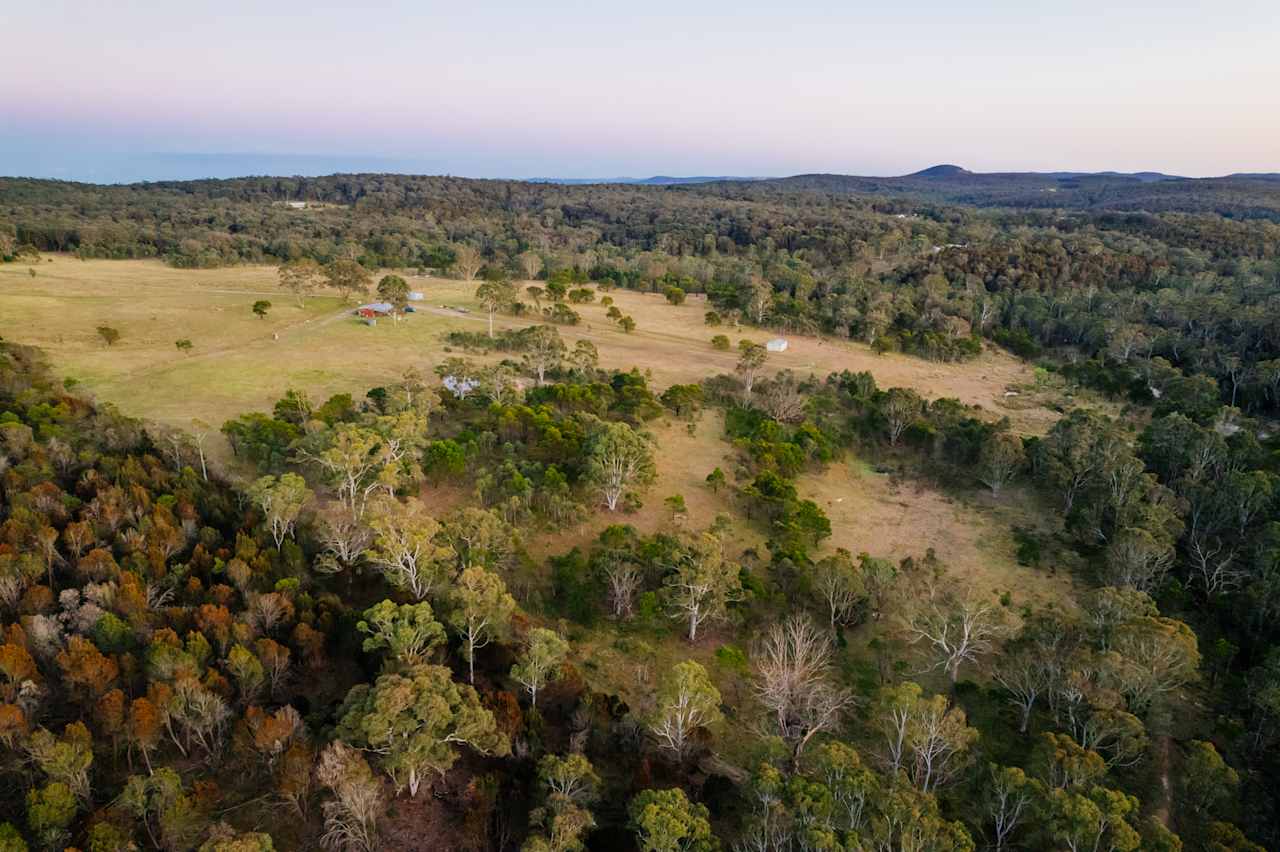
[778, 344]
[370, 312]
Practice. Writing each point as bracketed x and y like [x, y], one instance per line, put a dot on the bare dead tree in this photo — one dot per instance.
[1026, 675]
[345, 539]
[351, 818]
[793, 681]
[624, 581]
[957, 628]
[782, 399]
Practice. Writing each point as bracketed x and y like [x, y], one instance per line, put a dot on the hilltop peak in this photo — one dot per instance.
[942, 171]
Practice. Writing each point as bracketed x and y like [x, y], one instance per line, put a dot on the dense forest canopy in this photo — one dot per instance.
[321, 655]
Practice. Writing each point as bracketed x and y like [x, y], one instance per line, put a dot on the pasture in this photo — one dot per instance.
[239, 362]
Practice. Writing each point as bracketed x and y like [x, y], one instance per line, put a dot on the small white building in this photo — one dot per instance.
[298, 205]
[778, 344]
[415, 296]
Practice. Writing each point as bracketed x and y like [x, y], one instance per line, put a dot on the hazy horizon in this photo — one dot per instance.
[150, 91]
[181, 166]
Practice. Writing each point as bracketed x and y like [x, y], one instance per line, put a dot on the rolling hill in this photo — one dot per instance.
[1242, 196]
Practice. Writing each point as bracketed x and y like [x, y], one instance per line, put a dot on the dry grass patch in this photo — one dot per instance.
[972, 535]
[240, 362]
[675, 344]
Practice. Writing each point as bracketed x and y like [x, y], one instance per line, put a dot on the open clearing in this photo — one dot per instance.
[972, 534]
[241, 363]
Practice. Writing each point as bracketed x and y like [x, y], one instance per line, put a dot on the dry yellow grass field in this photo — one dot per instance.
[971, 534]
[239, 362]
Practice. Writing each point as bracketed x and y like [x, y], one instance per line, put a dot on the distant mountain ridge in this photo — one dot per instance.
[1246, 196]
[938, 173]
[656, 180]
[1237, 196]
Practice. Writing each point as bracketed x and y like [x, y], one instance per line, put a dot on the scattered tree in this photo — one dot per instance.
[686, 702]
[957, 627]
[300, 277]
[900, 409]
[1000, 460]
[545, 351]
[394, 290]
[701, 583]
[406, 548]
[618, 460]
[351, 817]
[281, 502]
[530, 264]
[539, 664]
[408, 632]
[751, 359]
[347, 277]
[666, 821]
[413, 720]
[481, 610]
[467, 260]
[495, 296]
[837, 580]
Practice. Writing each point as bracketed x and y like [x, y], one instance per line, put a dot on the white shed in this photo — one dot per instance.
[778, 344]
[415, 296]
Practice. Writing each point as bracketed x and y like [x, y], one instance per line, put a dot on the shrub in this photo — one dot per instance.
[562, 314]
[1028, 546]
[732, 658]
[1017, 341]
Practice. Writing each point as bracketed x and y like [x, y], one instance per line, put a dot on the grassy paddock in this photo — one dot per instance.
[240, 362]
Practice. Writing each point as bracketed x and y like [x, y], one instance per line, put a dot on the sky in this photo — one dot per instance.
[142, 89]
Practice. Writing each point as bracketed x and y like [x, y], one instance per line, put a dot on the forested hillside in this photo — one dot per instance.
[1234, 196]
[380, 628]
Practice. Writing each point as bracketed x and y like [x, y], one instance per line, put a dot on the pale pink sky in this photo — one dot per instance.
[599, 89]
